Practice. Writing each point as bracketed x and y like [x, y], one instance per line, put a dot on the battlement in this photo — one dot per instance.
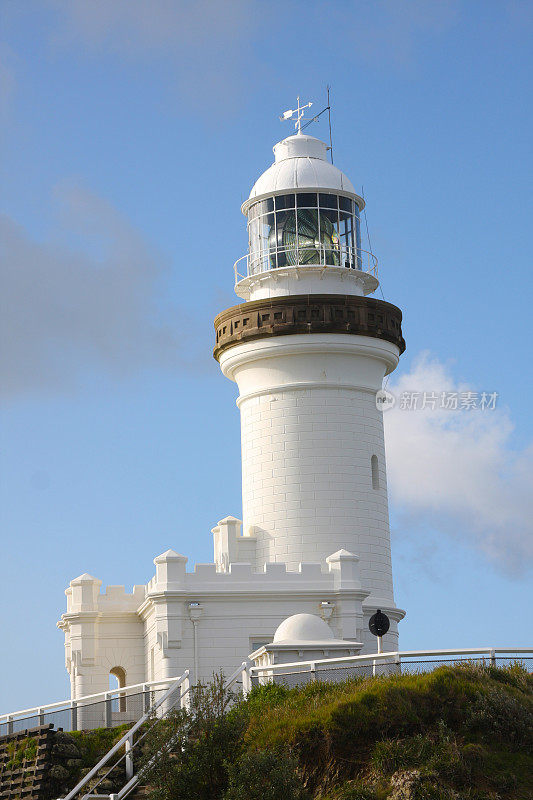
[84, 595]
[340, 571]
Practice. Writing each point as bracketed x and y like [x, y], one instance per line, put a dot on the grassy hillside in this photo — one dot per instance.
[457, 732]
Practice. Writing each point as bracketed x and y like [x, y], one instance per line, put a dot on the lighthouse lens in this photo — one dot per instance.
[304, 228]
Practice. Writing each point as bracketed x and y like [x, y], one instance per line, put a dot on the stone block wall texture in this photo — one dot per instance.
[24, 770]
[307, 479]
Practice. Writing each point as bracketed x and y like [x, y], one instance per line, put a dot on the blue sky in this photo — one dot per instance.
[131, 133]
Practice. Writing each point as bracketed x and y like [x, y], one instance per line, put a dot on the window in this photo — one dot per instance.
[284, 201]
[255, 644]
[306, 200]
[375, 472]
[304, 228]
[119, 674]
[345, 204]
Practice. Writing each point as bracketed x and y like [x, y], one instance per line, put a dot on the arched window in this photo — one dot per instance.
[375, 472]
[119, 673]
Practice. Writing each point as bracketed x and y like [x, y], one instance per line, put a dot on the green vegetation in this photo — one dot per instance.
[93, 745]
[20, 752]
[458, 733]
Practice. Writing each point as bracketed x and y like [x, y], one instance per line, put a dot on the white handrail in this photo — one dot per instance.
[235, 675]
[147, 686]
[129, 734]
[396, 654]
[354, 257]
[130, 785]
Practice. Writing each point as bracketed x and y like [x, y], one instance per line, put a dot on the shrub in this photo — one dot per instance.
[262, 775]
[498, 715]
[355, 790]
[459, 732]
[188, 752]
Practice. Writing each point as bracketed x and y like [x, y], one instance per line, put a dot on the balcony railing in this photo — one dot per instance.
[297, 257]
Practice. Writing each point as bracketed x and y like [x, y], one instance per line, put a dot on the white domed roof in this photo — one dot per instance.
[303, 628]
[300, 163]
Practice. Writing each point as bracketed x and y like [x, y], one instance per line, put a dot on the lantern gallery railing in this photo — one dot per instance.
[317, 255]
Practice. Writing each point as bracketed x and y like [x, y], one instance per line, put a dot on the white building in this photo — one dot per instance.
[308, 350]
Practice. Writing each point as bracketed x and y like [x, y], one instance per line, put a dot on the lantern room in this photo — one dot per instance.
[304, 228]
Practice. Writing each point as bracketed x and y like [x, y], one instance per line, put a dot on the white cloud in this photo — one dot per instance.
[215, 50]
[206, 43]
[455, 471]
[387, 32]
[66, 308]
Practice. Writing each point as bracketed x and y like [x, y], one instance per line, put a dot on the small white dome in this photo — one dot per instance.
[303, 628]
[301, 163]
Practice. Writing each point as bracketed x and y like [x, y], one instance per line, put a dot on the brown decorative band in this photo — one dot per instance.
[322, 313]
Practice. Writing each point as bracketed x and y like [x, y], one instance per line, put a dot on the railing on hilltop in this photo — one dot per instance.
[102, 710]
[159, 709]
[297, 673]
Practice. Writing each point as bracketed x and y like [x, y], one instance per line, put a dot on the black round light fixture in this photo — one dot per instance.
[379, 623]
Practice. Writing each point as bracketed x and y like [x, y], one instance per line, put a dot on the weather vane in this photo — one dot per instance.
[299, 111]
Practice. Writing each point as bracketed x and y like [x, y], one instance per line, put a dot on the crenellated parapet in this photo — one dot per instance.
[83, 595]
[226, 606]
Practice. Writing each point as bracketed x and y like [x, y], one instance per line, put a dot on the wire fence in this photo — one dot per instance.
[124, 709]
[344, 672]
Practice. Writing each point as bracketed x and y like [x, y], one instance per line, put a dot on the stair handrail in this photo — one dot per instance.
[132, 782]
[177, 683]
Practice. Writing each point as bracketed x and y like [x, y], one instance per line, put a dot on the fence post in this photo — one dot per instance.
[146, 698]
[398, 662]
[41, 716]
[246, 679]
[10, 724]
[73, 715]
[492, 658]
[108, 709]
[312, 670]
[129, 757]
[373, 667]
[185, 693]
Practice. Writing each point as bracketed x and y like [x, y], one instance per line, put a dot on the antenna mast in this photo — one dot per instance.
[329, 121]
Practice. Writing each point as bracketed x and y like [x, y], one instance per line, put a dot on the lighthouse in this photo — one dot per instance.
[309, 348]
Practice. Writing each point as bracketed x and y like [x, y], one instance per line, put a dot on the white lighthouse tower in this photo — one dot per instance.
[309, 350]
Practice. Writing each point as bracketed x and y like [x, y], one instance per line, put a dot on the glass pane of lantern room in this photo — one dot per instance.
[358, 237]
[285, 239]
[327, 200]
[306, 200]
[345, 204]
[254, 247]
[264, 206]
[329, 236]
[267, 240]
[308, 236]
[346, 240]
[284, 201]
